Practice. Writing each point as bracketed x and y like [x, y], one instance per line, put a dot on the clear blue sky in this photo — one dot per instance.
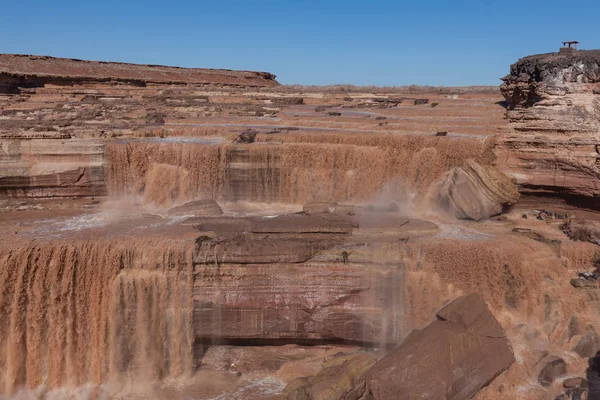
[376, 42]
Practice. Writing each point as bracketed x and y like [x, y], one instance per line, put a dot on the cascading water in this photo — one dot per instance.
[308, 167]
[90, 312]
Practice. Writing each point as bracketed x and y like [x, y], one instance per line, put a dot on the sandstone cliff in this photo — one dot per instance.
[553, 104]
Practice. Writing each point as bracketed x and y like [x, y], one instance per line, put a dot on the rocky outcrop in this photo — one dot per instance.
[553, 106]
[554, 368]
[589, 344]
[200, 208]
[583, 230]
[28, 71]
[476, 192]
[452, 358]
[49, 168]
[337, 378]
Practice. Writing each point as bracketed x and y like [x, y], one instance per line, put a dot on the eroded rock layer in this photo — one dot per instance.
[476, 192]
[28, 71]
[553, 105]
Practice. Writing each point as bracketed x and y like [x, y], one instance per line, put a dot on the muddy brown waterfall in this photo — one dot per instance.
[116, 311]
[147, 253]
[347, 168]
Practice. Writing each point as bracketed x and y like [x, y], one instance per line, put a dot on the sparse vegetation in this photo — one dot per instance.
[89, 113]
[413, 89]
[596, 259]
[154, 117]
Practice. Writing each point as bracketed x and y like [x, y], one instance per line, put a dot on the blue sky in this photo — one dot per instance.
[377, 42]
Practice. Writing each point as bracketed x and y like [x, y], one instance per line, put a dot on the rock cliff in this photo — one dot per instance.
[17, 70]
[553, 104]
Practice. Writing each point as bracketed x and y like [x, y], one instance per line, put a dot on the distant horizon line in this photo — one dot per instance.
[329, 85]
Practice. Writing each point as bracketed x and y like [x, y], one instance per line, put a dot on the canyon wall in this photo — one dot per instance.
[553, 104]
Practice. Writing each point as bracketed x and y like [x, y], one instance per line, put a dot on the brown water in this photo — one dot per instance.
[308, 167]
[116, 311]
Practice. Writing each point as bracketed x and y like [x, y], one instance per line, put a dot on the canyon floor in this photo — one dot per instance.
[169, 235]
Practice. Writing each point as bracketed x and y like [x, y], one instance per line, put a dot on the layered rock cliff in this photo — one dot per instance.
[476, 192]
[18, 70]
[553, 104]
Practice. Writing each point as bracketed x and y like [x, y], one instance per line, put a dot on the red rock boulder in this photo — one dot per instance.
[452, 358]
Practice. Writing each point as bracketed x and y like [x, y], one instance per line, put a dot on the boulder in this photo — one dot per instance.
[582, 230]
[336, 379]
[573, 326]
[589, 343]
[452, 358]
[476, 192]
[199, 208]
[575, 382]
[247, 136]
[574, 394]
[319, 207]
[555, 367]
[288, 101]
[297, 389]
[154, 117]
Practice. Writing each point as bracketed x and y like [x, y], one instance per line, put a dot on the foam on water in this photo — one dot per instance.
[254, 389]
[462, 233]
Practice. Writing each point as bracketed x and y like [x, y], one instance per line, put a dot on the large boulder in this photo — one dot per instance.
[476, 192]
[199, 208]
[589, 344]
[452, 358]
[337, 378]
[554, 368]
[582, 230]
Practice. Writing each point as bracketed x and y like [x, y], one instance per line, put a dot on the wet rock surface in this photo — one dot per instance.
[335, 381]
[200, 208]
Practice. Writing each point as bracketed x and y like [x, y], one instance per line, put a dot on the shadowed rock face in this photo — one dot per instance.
[553, 105]
[452, 358]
